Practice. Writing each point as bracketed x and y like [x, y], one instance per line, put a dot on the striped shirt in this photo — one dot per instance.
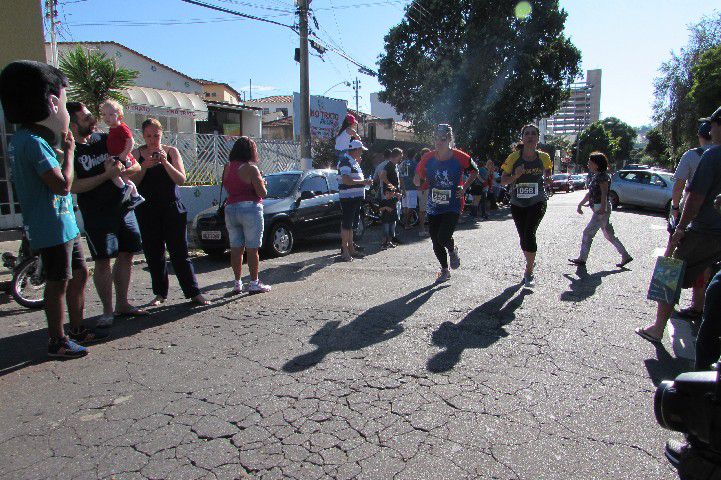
[348, 166]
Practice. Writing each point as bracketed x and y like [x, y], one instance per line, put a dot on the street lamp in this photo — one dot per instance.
[347, 84]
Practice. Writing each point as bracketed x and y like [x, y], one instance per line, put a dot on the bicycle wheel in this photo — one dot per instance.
[28, 283]
[412, 217]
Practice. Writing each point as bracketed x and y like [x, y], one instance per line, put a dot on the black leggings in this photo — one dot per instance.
[527, 220]
[441, 228]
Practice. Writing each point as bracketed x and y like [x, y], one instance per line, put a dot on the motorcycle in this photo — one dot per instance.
[28, 282]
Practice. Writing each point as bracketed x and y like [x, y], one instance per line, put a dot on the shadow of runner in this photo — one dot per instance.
[482, 327]
[375, 325]
[585, 285]
[30, 348]
[665, 366]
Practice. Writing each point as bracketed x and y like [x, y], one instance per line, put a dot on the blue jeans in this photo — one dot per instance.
[244, 221]
[389, 229]
[708, 345]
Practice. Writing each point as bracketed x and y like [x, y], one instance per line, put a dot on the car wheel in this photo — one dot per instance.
[215, 253]
[280, 239]
[615, 201]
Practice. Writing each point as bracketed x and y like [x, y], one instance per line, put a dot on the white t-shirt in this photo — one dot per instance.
[342, 141]
[686, 169]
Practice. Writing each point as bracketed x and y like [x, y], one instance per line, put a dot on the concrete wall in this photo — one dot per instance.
[383, 110]
[222, 94]
[21, 32]
[252, 123]
[197, 199]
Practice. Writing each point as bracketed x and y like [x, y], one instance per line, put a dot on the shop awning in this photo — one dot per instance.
[154, 101]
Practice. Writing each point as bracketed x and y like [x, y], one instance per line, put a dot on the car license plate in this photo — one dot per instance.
[210, 235]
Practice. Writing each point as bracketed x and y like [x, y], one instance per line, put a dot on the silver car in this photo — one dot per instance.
[642, 188]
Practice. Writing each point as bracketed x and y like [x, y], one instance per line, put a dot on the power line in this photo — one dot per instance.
[233, 12]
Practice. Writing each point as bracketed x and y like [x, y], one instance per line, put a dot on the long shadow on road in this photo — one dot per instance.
[481, 328]
[585, 285]
[375, 325]
[665, 366]
[30, 348]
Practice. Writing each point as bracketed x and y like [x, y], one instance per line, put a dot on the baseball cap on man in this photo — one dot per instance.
[704, 130]
[715, 116]
[443, 130]
[355, 143]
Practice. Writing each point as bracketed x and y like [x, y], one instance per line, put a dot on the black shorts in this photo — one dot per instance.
[699, 251]
[111, 237]
[59, 261]
[350, 210]
[475, 188]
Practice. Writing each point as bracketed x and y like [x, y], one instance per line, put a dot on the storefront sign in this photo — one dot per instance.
[165, 112]
[326, 116]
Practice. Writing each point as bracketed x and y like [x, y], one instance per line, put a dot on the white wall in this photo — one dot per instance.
[272, 106]
[252, 123]
[383, 110]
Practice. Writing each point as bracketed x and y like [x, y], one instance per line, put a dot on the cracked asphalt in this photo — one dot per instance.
[362, 370]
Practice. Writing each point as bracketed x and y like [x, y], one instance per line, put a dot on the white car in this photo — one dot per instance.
[642, 188]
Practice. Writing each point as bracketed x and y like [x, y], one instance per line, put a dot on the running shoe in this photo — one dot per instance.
[134, 202]
[392, 245]
[66, 348]
[258, 287]
[238, 287]
[127, 192]
[443, 276]
[105, 320]
[455, 259]
[85, 336]
[529, 281]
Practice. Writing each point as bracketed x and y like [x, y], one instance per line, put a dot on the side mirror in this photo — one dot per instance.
[305, 195]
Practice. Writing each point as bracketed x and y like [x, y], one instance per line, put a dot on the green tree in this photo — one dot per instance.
[94, 78]
[624, 134]
[706, 89]
[477, 66]
[595, 138]
[657, 147]
[675, 112]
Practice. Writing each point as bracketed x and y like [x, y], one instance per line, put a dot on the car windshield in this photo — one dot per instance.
[560, 177]
[281, 185]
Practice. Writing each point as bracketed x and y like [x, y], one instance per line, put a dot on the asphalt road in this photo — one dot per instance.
[363, 370]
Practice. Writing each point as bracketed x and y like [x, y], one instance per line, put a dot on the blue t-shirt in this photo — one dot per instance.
[49, 217]
[444, 177]
[407, 170]
[707, 182]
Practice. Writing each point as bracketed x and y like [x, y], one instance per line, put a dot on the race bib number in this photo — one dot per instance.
[441, 197]
[526, 190]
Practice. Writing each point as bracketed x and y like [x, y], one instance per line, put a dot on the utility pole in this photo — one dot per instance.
[51, 15]
[306, 161]
[251, 89]
[356, 87]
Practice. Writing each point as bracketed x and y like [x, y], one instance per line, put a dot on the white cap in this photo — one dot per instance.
[355, 143]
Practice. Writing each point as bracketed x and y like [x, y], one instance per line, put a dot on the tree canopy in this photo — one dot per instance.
[596, 138]
[623, 133]
[676, 111]
[476, 65]
[706, 89]
[94, 78]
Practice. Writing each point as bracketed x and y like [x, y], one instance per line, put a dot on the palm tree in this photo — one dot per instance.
[95, 78]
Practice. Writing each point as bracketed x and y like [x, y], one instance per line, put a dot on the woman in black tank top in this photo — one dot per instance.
[163, 218]
[527, 171]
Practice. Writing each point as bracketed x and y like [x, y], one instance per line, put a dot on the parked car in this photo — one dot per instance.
[579, 181]
[561, 181]
[298, 205]
[642, 188]
[635, 166]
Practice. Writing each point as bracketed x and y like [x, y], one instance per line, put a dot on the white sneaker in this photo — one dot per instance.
[105, 320]
[258, 287]
[443, 276]
[529, 281]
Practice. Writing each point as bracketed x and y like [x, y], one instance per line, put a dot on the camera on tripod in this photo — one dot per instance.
[691, 404]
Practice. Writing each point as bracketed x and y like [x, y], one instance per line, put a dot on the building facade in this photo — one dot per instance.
[383, 110]
[580, 110]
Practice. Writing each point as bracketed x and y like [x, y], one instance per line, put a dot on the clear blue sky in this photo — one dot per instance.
[627, 39]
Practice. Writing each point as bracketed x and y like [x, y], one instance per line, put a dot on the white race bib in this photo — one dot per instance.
[441, 197]
[526, 190]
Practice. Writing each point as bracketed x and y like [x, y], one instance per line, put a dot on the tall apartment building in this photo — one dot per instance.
[579, 111]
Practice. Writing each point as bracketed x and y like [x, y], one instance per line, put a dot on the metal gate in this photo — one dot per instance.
[10, 214]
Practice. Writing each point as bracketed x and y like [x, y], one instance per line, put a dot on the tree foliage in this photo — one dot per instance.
[657, 146]
[595, 138]
[675, 111]
[473, 64]
[706, 89]
[94, 78]
[623, 133]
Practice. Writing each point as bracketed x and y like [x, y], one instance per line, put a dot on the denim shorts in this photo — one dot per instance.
[244, 221]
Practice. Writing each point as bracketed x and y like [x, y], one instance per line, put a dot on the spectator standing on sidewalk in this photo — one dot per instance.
[422, 199]
[33, 95]
[163, 218]
[697, 239]
[244, 212]
[345, 135]
[111, 230]
[684, 174]
[351, 190]
[389, 177]
[389, 216]
[409, 201]
[597, 197]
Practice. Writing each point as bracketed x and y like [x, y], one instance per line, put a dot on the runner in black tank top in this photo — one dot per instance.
[527, 171]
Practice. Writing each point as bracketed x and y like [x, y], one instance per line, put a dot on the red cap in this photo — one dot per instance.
[350, 118]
